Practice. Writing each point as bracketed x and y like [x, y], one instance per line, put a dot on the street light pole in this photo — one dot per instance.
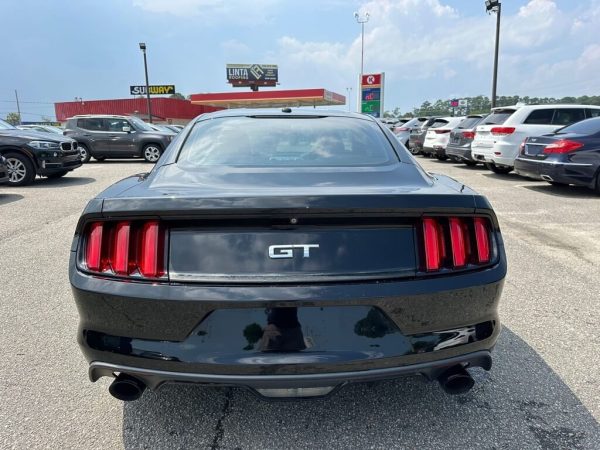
[495, 6]
[362, 20]
[143, 49]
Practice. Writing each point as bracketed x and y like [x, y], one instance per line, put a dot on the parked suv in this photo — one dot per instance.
[437, 136]
[499, 136]
[101, 137]
[417, 136]
[30, 153]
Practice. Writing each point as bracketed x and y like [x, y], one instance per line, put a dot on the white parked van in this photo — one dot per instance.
[500, 134]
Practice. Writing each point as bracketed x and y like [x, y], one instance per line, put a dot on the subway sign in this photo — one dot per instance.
[371, 94]
[159, 89]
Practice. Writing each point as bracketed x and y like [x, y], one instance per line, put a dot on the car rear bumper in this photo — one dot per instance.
[501, 153]
[561, 172]
[462, 153]
[224, 334]
[156, 378]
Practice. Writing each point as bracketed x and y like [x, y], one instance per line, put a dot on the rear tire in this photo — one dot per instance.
[441, 157]
[414, 151]
[57, 174]
[470, 163]
[20, 169]
[556, 183]
[99, 158]
[84, 153]
[598, 184]
[151, 153]
[498, 169]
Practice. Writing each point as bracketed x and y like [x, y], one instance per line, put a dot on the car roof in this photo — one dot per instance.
[549, 106]
[114, 116]
[283, 112]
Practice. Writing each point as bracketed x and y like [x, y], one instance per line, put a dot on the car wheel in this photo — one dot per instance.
[598, 184]
[99, 158]
[57, 174]
[151, 153]
[84, 153]
[470, 163]
[20, 169]
[498, 169]
[441, 157]
[414, 151]
[556, 183]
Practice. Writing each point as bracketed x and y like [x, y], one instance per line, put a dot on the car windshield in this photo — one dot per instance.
[140, 124]
[286, 141]
[590, 126]
[6, 126]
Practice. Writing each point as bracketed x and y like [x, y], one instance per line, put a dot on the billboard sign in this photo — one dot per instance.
[244, 75]
[161, 89]
[371, 94]
[453, 103]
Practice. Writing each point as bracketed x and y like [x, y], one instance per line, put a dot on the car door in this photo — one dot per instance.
[92, 134]
[116, 141]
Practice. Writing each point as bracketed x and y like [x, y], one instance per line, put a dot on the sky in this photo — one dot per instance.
[61, 49]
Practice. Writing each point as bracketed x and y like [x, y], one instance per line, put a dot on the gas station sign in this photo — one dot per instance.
[371, 94]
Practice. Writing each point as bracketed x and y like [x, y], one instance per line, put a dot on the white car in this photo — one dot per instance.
[438, 136]
[499, 135]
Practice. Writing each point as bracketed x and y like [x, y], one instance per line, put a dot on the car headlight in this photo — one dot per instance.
[44, 145]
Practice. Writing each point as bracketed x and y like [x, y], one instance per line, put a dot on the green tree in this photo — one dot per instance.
[13, 118]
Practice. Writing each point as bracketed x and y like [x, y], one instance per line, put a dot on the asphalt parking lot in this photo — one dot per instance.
[543, 391]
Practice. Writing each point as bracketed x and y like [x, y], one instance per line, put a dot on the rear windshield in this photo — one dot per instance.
[439, 123]
[287, 141]
[498, 117]
[469, 122]
[590, 126]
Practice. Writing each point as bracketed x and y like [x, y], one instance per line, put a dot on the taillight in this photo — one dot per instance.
[398, 130]
[502, 131]
[563, 146]
[442, 131]
[468, 240]
[125, 248]
[468, 134]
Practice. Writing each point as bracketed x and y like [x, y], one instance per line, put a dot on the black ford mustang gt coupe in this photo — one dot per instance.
[289, 252]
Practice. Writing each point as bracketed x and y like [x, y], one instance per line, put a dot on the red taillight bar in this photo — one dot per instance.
[125, 248]
[482, 239]
[93, 249]
[457, 238]
[120, 251]
[563, 146]
[150, 262]
[432, 244]
[468, 134]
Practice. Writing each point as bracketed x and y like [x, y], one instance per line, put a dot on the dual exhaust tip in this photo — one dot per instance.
[454, 381]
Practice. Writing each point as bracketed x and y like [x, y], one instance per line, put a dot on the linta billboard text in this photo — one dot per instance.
[252, 74]
[159, 89]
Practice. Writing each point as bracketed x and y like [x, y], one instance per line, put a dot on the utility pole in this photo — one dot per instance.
[362, 20]
[143, 49]
[495, 6]
[18, 106]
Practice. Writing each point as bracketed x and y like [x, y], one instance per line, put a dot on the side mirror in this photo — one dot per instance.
[127, 129]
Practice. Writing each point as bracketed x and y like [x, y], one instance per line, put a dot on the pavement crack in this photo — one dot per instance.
[219, 428]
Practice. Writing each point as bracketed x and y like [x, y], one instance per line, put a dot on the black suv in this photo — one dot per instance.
[101, 137]
[30, 153]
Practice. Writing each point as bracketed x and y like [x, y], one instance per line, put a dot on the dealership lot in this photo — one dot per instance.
[543, 391]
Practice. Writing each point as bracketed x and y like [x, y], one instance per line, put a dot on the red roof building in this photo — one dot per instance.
[270, 99]
[166, 110]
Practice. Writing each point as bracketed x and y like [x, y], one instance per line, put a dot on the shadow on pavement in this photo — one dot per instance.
[520, 404]
[565, 191]
[66, 181]
[5, 199]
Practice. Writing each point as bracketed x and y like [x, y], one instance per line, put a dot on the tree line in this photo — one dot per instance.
[482, 104]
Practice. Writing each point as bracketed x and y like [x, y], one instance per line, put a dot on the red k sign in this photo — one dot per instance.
[373, 79]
